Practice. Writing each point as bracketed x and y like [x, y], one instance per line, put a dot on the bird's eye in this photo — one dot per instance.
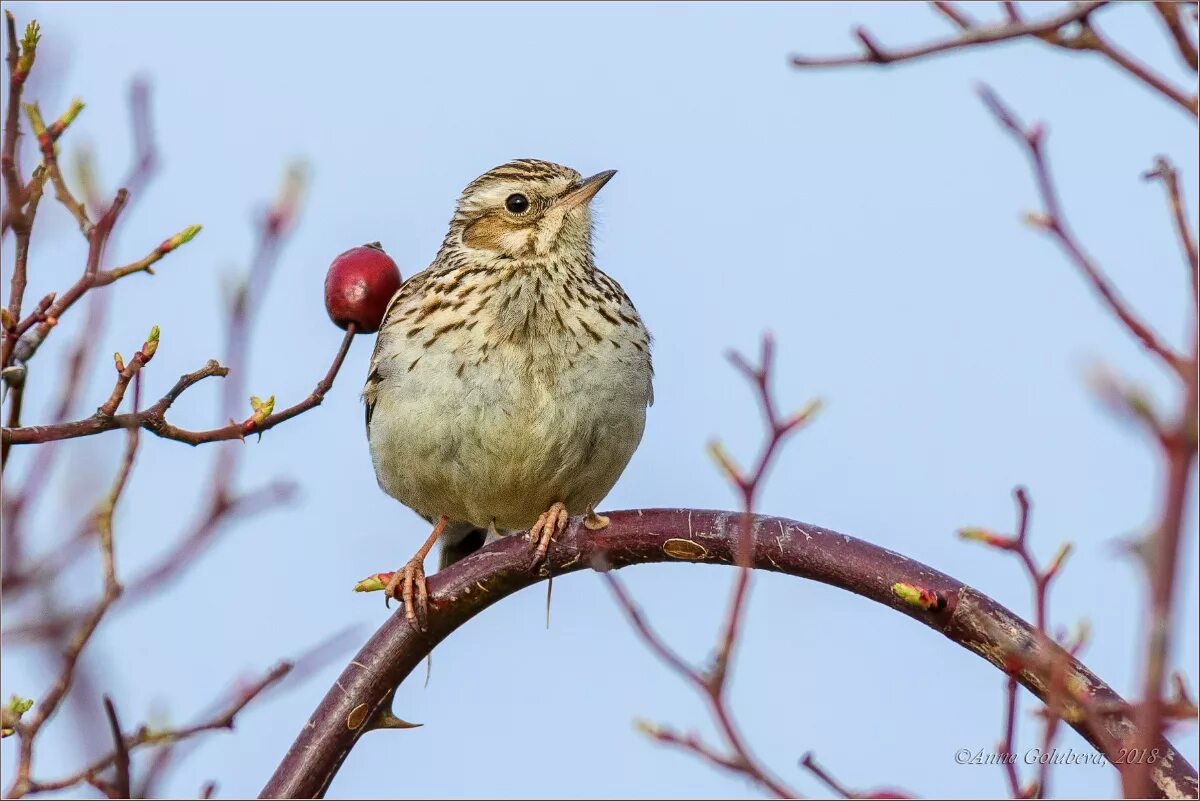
[517, 203]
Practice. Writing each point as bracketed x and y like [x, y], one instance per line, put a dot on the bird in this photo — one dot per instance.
[510, 380]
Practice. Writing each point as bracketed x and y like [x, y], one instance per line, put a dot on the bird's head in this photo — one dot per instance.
[527, 209]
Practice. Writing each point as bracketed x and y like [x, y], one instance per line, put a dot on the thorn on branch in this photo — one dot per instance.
[120, 784]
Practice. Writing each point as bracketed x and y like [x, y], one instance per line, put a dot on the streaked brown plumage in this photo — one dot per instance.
[510, 380]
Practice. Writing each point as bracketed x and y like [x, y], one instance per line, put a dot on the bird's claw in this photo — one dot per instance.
[552, 521]
[414, 593]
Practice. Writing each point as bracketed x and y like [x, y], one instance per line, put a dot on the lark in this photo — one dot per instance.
[510, 380]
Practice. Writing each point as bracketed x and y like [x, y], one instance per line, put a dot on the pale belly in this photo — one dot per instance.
[501, 444]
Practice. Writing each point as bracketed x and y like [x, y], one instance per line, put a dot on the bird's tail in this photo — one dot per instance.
[459, 542]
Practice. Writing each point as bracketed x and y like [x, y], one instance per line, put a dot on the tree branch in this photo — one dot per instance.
[153, 419]
[1053, 221]
[968, 37]
[1170, 14]
[360, 700]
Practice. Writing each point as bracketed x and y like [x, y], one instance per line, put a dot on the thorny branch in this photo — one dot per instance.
[360, 699]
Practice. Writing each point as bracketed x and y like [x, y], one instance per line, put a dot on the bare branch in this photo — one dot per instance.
[1169, 13]
[809, 763]
[52, 699]
[224, 719]
[1052, 221]
[153, 419]
[1165, 171]
[121, 786]
[969, 37]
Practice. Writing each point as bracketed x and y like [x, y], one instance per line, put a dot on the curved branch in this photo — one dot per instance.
[360, 699]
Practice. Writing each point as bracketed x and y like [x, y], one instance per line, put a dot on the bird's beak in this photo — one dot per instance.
[586, 190]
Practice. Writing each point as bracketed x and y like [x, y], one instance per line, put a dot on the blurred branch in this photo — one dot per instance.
[21, 347]
[1040, 580]
[712, 683]
[1176, 439]
[809, 763]
[28, 730]
[1052, 221]
[120, 787]
[1170, 13]
[1165, 171]
[147, 736]
[362, 693]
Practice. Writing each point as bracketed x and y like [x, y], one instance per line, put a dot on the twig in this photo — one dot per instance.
[147, 736]
[1040, 580]
[153, 418]
[1069, 30]
[1177, 442]
[121, 786]
[313, 659]
[1178, 447]
[126, 372]
[17, 502]
[1169, 13]
[49, 703]
[19, 58]
[1089, 38]
[971, 37]
[712, 683]
[145, 147]
[748, 486]
[809, 763]
[1165, 171]
[92, 277]
[952, 13]
[22, 225]
[1053, 222]
[62, 192]
[741, 761]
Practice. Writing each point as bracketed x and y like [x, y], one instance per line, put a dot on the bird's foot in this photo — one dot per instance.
[410, 580]
[550, 522]
[595, 522]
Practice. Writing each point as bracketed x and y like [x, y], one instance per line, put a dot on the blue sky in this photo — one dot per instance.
[871, 219]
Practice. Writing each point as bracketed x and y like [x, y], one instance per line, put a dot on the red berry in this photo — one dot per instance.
[358, 287]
